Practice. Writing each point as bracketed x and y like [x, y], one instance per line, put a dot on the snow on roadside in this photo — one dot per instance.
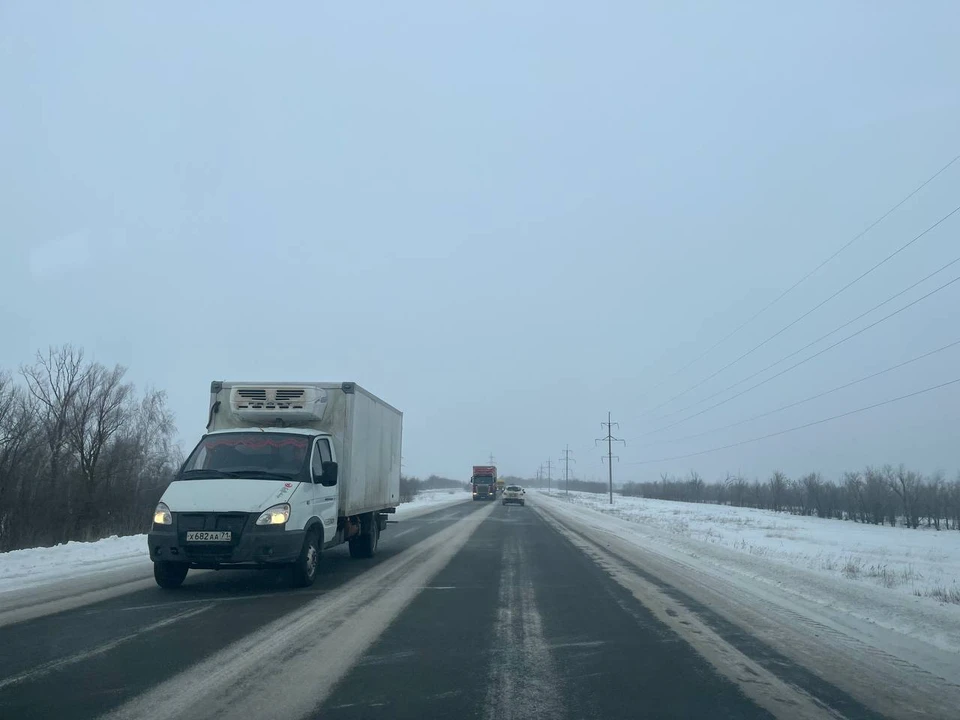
[430, 500]
[20, 569]
[894, 577]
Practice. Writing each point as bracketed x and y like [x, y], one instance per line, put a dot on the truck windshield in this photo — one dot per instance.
[262, 455]
[483, 481]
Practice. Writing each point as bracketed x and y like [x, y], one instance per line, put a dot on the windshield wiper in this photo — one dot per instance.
[210, 473]
[265, 474]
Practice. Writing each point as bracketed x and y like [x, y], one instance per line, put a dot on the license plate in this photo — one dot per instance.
[205, 536]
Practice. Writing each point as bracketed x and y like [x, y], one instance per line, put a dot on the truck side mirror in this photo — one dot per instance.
[329, 476]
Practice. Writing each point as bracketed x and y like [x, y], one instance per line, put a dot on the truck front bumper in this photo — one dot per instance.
[252, 549]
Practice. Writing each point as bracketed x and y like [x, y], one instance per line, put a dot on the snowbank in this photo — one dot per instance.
[21, 569]
[34, 567]
[921, 562]
[430, 500]
[901, 579]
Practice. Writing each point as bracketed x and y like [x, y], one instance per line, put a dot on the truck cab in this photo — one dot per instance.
[484, 482]
[256, 492]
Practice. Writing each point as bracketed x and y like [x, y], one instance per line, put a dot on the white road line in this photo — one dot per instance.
[54, 665]
[523, 681]
[756, 682]
[289, 666]
[39, 607]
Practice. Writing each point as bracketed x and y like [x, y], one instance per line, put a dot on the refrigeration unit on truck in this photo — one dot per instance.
[484, 482]
[284, 471]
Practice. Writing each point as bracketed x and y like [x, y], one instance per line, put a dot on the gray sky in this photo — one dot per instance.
[503, 218]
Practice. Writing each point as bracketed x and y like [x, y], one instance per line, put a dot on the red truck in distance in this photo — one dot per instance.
[484, 481]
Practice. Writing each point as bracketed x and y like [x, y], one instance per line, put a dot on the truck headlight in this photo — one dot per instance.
[277, 515]
[162, 516]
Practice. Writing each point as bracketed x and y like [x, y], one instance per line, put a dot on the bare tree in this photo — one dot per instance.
[813, 489]
[99, 411]
[778, 486]
[696, 484]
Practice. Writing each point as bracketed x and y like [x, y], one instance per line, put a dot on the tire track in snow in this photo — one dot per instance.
[523, 678]
[289, 666]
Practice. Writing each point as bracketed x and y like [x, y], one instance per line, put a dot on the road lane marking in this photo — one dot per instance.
[54, 665]
[523, 680]
[288, 667]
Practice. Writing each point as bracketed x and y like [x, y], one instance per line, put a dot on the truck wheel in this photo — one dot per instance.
[305, 568]
[365, 545]
[170, 575]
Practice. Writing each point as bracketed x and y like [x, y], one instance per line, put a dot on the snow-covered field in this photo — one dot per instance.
[34, 567]
[921, 562]
[905, 580]
[430, 500]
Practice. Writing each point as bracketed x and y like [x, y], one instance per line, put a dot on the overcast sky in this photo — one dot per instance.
[505, 219]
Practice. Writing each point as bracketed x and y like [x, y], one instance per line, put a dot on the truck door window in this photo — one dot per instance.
[317, 460]
[324, 446]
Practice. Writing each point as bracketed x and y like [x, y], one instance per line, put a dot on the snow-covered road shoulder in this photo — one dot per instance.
[38, 567]
[780, 579]
[22, 569]
[430, 500]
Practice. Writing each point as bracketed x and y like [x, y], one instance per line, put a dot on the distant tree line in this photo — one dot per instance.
[559, 485]
[877, 495]
[83, 455]
[410, 486]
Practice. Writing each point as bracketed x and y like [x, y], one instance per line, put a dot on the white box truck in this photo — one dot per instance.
[284, 471]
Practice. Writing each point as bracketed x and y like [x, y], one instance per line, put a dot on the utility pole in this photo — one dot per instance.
[610, 439]
[549, 477]
[566, 468]
[540, 477]
[493, 460]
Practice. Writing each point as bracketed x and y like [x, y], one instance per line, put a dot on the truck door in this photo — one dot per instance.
[325, 498]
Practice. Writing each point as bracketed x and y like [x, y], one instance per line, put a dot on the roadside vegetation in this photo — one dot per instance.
[83, 453]
[411, 486]
[886, 495]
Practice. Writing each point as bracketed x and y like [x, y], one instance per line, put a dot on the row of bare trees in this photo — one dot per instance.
[884, 495]
[82, 454]
[410, 487]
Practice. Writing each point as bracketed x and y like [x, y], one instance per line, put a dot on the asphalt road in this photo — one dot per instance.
[472, 611]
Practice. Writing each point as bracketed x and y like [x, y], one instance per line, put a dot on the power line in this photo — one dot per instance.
[805, 360]
[566, 468]
[809, 274]
[809, 399]
[811, 343]
[808, 312]
[799, 427]
[609, 425]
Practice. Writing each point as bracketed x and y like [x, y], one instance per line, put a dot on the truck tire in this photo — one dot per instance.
[365, 545]
[170, 575]
[305, 568]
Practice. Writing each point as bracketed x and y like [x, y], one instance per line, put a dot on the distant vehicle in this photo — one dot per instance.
[285, 471]
[484, 482]
[513, 494]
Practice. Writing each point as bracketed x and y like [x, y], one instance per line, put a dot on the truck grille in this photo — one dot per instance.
[234, 522]
[208, 552]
